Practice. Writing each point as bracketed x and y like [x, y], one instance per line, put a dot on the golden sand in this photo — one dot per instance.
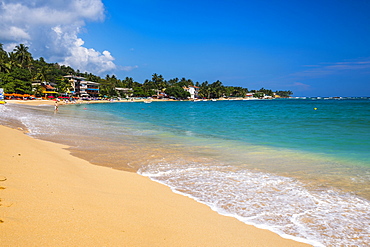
[51, 198]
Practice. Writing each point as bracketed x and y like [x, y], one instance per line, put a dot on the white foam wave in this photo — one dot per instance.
[283, 205]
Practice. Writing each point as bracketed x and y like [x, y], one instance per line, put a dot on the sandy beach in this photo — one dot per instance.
[50, 198]
[38, 102]
[52, 102]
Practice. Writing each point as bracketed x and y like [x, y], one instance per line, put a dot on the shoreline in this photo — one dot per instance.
[60, 200]
[52, 198]
[37, 102]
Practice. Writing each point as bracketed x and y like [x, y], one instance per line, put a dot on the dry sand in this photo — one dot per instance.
[61, 102]
[51, 198]
[50, 102]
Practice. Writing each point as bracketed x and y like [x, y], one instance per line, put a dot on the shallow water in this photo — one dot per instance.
[278, 164]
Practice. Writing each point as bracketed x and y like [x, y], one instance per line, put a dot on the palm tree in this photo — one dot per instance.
[216, 89]
[185, 82]
[5, 66]
[23, 56]
[38, 91]
[158, 82]
[3, 54]
[205, 90]
[4, 60]
[173, 82]
[129, 82]
[41, 74]
[13, 60]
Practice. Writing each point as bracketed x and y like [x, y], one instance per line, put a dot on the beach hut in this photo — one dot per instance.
[49, 91]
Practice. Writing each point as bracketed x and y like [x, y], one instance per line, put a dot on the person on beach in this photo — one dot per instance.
[56, 106]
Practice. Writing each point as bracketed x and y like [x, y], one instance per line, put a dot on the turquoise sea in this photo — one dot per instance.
[298, 167]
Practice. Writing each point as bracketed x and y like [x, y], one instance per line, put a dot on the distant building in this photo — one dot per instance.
[75, 82]
[193, 90]
[48, 91]
[89, 89]
[125, 92]
[82, 88]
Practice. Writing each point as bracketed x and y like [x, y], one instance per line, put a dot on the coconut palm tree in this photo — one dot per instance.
[205, 90]
[13, 63]
[41, 74]
[4, 60]
[216, 89]
[3, 54]
[23, 56]
[128, 82]
[5, 67]
[158, 82]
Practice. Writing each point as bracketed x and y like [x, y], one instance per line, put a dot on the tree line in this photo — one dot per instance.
[18, 69]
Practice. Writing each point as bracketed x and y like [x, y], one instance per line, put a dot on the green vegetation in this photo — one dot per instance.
[18, 70]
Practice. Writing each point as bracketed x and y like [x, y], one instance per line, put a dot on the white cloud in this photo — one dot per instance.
[128, 68]
[324, 70]
[14, 33]
[299, 86]
[51, 29]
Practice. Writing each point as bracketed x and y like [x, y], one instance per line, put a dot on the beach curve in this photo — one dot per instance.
[52, 198]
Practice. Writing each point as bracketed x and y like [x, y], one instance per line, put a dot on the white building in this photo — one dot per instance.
[193, 90]
[125, 92]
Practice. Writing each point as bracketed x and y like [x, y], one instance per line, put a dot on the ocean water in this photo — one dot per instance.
[300, 168]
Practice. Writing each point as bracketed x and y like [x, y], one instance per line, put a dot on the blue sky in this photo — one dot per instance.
[314, 48]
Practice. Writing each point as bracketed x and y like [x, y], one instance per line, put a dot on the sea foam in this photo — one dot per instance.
[281, 204]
